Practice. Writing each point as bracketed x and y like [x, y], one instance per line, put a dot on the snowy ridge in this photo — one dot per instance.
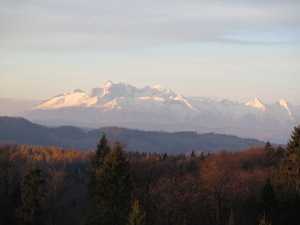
[126, 103]
[257, 104]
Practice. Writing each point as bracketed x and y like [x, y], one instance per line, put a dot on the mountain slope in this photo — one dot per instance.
[20, 130]
[120, 104]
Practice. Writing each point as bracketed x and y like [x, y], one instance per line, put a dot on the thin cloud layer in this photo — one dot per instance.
[121, 25]
[235, 49]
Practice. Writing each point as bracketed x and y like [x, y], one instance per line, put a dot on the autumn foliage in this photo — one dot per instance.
[242, 187]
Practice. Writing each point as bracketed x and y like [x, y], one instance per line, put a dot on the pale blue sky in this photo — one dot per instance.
[236, 50]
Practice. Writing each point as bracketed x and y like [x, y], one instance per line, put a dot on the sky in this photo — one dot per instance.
[234, 49]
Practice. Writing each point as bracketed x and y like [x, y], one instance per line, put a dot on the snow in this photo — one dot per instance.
[257, 104]
[65, 100]
[107, 85]
[74, 91]
[158, 87]
[157, 99]
[283, 103]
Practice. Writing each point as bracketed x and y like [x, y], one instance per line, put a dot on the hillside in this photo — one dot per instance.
[21, 131]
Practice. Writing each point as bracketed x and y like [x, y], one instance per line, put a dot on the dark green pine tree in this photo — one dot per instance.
[268, 154]
[32, 191]
[97, 162]
[193, 155]
[294, 143]
[268, 204]
[165, 156]
[101, 152]
[202, 157]
[278, 155]
[136, 217]
[279, 151]
[113, 199]
[289, 179]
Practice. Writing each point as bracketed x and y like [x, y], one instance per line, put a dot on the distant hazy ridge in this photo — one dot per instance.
[22, 131]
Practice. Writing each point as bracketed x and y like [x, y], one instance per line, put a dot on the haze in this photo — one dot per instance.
[238, 50]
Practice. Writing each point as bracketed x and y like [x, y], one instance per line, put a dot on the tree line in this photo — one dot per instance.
[50, 185]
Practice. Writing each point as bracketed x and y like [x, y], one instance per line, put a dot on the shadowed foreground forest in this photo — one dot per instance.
[50, 185]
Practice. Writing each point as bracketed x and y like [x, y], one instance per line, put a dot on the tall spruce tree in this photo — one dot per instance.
[193, 155]
[114, 186]
[32, 191]
[114, 198]
[278, 155]
[102, 150]
[97, 162]
[269, 154]
[289, 179]
[268, 204]
[12, 166]
[202, 157]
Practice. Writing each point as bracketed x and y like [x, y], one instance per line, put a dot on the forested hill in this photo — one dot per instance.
[21, 131]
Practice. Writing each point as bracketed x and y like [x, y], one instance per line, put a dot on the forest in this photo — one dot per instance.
[109, 185]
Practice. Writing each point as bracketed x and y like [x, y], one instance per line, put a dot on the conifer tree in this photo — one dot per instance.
[101, 152]
[136, 217]
[202, 157]
[289, 179]
[97, 162]
[268, 205]
[12, 166]
[113, 196]
[278, 155]
[32, 191]
[269, 154]
[289, 170]
[294, 143]
[279, 152]
[193, 155]
[165, 156]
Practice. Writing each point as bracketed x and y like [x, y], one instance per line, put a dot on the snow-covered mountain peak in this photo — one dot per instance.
[257, 104]
[110, 91]
[63, 100]
[283, 103]
[158, 87]
[288, 108]
[155, 91]
[112, 87]
[72, 92]
[227, 102]
[124, 102]
[107, 85]
[180, 97]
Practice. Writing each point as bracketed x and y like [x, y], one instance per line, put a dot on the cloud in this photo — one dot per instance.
[120, 25]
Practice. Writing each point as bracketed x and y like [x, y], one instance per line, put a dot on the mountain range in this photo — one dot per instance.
[21, 131]
[154, 107]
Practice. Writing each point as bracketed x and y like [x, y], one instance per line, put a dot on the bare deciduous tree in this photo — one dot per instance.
[12, 167]
[57, 183]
